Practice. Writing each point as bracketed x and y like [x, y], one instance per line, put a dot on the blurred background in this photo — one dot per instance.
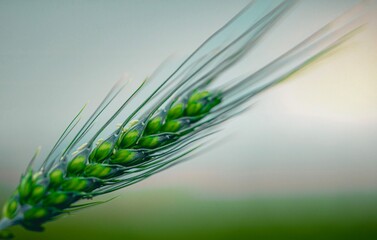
[301, 164]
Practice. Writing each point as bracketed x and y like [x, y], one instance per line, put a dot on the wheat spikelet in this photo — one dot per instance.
[167, 126]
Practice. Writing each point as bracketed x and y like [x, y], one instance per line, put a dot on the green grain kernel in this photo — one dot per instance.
[176, 111]
[36, 214]
[97, 170]
[172, 126]
[101, 152]
[149, 141]
[196, 96]
[77, 165]
[25, 186]
[10, 208]
[194, 109]
[56, 199]
[154, 125]
[37, 193]
[123, 156]
[56, 177]
[129, 138]
[76, 184]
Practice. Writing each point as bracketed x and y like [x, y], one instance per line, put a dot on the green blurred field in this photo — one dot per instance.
[174, 215]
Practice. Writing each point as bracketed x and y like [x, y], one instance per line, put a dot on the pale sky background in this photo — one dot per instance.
[316, 132]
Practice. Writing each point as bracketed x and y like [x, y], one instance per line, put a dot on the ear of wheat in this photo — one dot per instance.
[168, 125]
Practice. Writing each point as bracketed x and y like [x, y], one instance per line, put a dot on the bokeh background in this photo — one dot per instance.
[301, 164]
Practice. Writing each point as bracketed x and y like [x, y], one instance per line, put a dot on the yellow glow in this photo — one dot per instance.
[343, 86]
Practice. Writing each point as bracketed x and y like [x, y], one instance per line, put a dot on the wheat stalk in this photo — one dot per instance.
[167, 126]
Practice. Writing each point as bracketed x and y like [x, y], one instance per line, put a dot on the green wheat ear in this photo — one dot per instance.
[167, 126]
